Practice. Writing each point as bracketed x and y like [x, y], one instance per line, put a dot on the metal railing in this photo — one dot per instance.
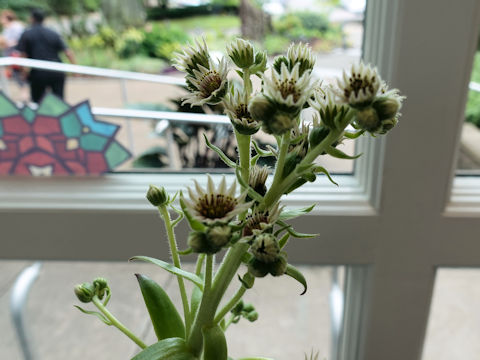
[164, 116]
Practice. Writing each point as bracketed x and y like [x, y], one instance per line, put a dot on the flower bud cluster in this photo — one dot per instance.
[86, 291]
[377, 107]
[246, 311]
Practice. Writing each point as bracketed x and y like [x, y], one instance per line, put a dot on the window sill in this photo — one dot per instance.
[126, 193]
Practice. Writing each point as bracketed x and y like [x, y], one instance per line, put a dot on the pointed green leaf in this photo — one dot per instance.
[220, 153]
[254, 159]
[95, 313]
[194, 223]
[283, 241]
[177, 220]
[167, 349]
[259, 151]
[340, 154]
[322, 170]
[294, 233]
[166, 321]
[172, 269]
[185, 252]
[354, 135]
[293, 213]
[297, 275]
[195, 300]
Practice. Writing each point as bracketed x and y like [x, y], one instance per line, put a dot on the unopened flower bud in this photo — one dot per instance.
[197, 241]
[100, 284]
[279, 123]
[252, 316]
[260, 63]
[85, 292]
[265, 248]
[219, 236]
[261, 108]
[367, 119]
[317, 135]
[242, 53]
[279, 266]
[258, 268]
[257, 179]
[157, 196]
[237, 309]
[386, 107]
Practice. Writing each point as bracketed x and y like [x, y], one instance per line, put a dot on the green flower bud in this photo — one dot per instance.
[258, 268]
[261, 108]
[85, 292]
[157, 196]
[197, 241]
[260, 63]
[265, 248]
[386, 107]
[219, 236]
[101, 286]
[367, 119]
[279, 266]
[279, 123]
[252, 316]
[237, 309]
[242, 53]
[248, 308]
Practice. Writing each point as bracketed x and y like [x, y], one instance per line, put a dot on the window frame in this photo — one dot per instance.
[400, 216]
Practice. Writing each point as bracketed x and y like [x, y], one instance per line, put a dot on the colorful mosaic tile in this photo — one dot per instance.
[56, 139]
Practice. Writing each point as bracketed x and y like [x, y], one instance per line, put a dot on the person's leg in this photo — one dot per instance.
[57, 85]
[37, 89]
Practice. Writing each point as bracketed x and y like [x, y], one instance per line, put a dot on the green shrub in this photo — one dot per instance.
[160, 13]
[275, 44]
[130, 43]
[161, 41]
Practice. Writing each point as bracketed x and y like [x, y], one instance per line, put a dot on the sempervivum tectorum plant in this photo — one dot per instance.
[215, 205]
[236, 108]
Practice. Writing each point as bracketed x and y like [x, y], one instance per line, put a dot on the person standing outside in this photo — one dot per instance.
[12, 30]
[41, 43]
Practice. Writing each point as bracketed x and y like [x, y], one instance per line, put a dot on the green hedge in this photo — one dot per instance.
[175, 13]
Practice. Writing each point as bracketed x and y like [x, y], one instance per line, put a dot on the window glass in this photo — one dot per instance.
[454, 327]
[469, 155]
[288, 326]
[334, 29]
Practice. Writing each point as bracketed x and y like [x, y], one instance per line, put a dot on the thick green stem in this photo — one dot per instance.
[176, 261]
[244, 153]
[210, 301]
[277, 189]
[98, 303]
[230, 305]
[208, 274]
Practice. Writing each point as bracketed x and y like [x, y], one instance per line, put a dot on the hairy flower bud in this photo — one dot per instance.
[252, 316]
[279, 266]
[157, 196]
[242, 53]
[219, 236]
[386, 107]
[367, 119]
[261, 108]
[265, 248]
[85, 292]
[197, 241]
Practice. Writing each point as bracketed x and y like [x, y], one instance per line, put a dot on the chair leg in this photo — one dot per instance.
[18, 300]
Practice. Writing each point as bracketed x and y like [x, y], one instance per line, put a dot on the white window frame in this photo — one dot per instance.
[397, 219]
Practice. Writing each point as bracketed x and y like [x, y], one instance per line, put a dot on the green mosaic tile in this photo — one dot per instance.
[115, 155]
[7, 108]
[71, 125]
[52, 106]
[92, 142]
[28, 114]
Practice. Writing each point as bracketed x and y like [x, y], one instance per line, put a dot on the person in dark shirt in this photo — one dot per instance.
[41, 43]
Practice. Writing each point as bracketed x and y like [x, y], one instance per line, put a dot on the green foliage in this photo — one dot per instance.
[129, 43]
[160, 13]
[275, 44]
[22, 7]
[472, 111]
[162, 41]
[308, 27]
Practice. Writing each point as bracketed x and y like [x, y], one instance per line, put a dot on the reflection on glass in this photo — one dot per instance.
[469, 157]
[454, 327]
[334, 29]
[289, 325]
